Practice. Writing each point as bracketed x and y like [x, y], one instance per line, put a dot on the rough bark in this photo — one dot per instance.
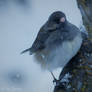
[85, 7]
[76, 76]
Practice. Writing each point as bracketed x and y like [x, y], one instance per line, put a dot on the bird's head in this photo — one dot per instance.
[58, 17]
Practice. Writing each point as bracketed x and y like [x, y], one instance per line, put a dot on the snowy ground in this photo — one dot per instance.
[19, 24]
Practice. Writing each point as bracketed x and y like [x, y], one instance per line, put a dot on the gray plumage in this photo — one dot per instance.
[56, 43]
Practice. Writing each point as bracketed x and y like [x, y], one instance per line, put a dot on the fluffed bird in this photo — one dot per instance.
[56, 43]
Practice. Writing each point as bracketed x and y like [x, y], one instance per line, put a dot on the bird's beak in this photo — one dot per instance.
[62, 19]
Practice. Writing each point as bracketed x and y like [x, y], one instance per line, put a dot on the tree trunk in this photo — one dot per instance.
[85, 7]
[76, 76]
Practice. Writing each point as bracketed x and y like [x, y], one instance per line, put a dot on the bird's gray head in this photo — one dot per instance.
[58, 17]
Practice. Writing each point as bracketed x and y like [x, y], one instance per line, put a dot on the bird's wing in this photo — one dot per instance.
[41, 38]
[39, 41]
[46, 30]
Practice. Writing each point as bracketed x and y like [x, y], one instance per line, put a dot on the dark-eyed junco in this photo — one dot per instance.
[57, 42]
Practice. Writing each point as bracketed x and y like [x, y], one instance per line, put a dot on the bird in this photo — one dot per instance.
[57, 42]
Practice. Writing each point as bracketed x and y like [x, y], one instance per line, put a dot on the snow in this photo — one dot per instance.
[66, 78]
[91, 66]
[19, 24]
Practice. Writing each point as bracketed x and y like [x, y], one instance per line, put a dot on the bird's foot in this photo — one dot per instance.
[55, 81]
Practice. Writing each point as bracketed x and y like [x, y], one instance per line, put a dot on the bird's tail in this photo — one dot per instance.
[25, 51]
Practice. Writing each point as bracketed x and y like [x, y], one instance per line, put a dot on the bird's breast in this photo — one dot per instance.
[58, 57]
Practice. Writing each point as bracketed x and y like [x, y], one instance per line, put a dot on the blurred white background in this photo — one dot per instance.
[20, 21]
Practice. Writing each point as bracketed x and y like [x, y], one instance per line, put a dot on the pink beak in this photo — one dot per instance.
[62, 19]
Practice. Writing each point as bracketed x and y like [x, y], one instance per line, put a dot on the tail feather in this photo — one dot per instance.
[25, 51]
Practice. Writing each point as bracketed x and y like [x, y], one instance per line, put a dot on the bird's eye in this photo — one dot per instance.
[57, 21]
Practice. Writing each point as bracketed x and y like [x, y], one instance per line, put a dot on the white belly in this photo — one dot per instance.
[60, 56]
